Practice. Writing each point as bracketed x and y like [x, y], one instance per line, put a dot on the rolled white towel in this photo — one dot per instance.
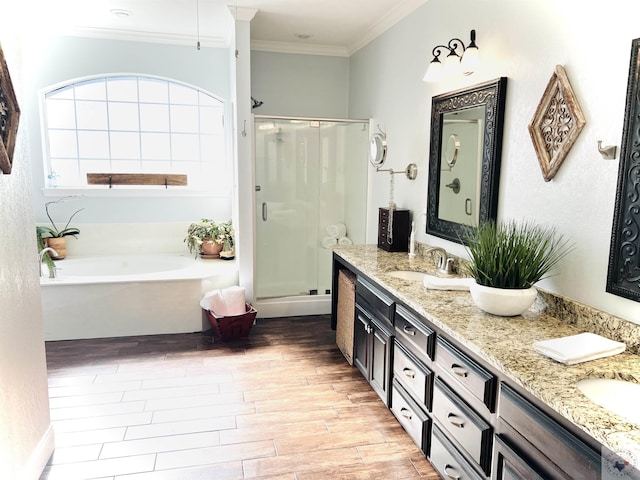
[337, 230]
[214, 302]
[344, 241]
[328, 242]
[234, 299]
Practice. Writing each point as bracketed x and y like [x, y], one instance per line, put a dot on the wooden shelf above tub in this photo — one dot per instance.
[163, 179]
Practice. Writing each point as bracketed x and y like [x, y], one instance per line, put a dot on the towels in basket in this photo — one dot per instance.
[228, 313]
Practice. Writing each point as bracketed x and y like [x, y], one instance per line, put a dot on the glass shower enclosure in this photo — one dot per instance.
[311, 193]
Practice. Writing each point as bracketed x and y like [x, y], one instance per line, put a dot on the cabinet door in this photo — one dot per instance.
[380, 364]
[361, 342]
[510, 466]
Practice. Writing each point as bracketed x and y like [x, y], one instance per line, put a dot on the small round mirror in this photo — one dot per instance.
[378, 149]
[452, 149]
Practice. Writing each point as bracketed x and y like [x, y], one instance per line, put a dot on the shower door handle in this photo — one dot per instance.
[264, 211]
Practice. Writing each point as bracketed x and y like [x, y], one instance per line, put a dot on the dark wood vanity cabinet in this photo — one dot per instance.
[469, 421]
[532, 439]
[373, 337]
[372, 351]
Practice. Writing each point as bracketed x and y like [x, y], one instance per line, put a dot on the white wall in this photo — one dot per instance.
[524, 41]
[292, 84]
[26, 439]
[53, 60]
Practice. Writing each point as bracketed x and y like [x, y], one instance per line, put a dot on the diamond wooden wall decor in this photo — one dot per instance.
[556, 124]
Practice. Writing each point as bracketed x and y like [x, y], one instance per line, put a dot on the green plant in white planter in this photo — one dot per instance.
[511, 257]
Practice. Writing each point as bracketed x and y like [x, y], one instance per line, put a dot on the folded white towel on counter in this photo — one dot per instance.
[344, 241]
[446, 283]
[328, 242]
[337, 230]
[579, 348]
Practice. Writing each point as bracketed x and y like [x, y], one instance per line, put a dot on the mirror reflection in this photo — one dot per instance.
[460, 166]
[464, 158]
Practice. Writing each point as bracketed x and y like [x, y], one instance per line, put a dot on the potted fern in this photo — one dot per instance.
[507, 260]
[208, 237]
[54, 236]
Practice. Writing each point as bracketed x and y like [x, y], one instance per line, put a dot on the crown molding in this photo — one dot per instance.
[304, 49]
[388, 21]
[150, 37]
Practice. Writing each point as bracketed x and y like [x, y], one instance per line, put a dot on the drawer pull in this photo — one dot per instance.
[409, 373]
[459, 370]
[409, 330]
[455, 420]
[450, 472]
[406, 413]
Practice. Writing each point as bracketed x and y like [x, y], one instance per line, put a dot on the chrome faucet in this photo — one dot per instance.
[444, 265]
[52, 274]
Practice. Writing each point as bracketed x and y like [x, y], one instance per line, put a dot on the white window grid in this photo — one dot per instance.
[126, 124]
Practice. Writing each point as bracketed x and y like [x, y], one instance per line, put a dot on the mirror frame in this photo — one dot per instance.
[492, 95]
[623, 276]
[378, 149]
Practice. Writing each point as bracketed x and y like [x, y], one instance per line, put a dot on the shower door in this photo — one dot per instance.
[310, 174]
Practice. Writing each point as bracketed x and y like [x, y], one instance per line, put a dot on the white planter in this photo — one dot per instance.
[505, 302]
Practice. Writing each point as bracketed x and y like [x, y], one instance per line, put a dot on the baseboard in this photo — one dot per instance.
[293, 306]
[39, 457]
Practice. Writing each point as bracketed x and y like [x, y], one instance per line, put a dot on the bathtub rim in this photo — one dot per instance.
[199, 269]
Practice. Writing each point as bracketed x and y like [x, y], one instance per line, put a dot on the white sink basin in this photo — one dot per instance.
[616, 396]
[408, 275]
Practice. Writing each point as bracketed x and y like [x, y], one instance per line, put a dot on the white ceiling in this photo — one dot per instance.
[335, 27]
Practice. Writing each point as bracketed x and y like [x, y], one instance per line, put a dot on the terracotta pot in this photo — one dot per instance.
[502, 301]
[210, 248]
[59, 244]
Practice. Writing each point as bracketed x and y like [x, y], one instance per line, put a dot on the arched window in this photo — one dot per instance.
[133, 124]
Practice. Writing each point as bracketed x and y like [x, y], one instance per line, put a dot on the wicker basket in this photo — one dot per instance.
[346, 312]
[232, 327]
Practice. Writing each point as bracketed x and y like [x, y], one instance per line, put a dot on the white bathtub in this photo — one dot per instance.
[124, 295]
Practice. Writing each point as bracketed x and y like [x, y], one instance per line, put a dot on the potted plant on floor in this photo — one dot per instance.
[55, 237]
[507, 260]
[205, 238]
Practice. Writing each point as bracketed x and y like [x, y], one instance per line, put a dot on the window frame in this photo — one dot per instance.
[142, 191]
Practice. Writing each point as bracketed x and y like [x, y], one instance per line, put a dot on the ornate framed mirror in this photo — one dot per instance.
[464, 192]
[623, 276]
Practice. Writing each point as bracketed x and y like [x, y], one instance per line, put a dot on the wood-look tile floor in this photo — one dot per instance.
[282, 404]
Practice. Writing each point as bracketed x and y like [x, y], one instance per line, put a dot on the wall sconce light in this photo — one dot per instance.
[465, 63]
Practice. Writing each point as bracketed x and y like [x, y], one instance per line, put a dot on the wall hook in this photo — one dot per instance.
[608, 153]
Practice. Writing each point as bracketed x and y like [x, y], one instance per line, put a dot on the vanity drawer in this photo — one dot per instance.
[470, 430]
[447, 460]
[379, 303]
[413, 375]
[414, 333]
[556, 444]
[466, 372]
[410, 415]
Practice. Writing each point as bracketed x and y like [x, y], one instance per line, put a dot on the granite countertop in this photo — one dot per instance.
[506, 344]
